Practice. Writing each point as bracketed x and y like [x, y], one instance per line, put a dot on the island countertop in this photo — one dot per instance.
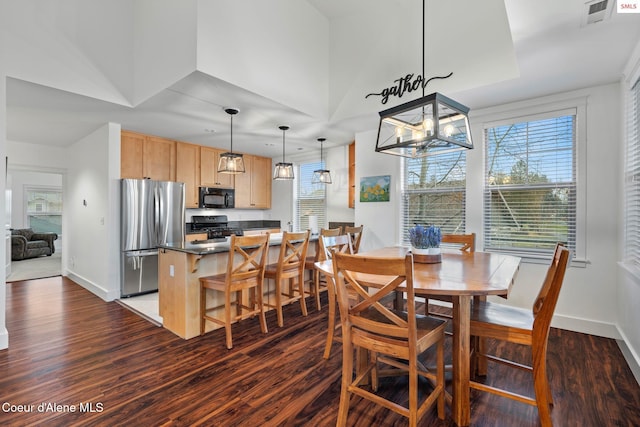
[180, 267]
[212, 246]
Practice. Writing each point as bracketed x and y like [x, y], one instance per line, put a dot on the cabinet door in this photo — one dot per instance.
[261, 183]
[159, 159]
[253, 188]
[131, 147]
[209, 176]
[188, 171]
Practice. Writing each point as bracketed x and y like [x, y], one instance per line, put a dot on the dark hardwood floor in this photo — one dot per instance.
[68, 347]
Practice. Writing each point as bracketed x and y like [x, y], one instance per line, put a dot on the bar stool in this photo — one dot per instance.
[309, 264]
[245, 270]
[290, 266]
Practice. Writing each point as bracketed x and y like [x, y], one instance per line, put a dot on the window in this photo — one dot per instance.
[632, 180]
[310, 198]
[43, 208]
[434, 191]
[530, 184]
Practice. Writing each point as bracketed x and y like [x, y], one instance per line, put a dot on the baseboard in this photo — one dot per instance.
[632, 358]
[586, 326]
[4, 339]
[92, 287]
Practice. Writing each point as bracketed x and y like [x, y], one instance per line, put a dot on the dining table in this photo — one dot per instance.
[461, 276]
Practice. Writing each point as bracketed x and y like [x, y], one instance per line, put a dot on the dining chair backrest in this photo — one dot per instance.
[332, 244]
[293, 251]
[356, 236]
[464, 242]
[247, 258]
[545, 303]
[351, 273]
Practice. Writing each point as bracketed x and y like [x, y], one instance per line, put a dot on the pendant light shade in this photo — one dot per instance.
[283, 170]
[231, 162]
[430, 125]
[321, 176]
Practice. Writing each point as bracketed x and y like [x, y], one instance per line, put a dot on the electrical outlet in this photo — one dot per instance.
[172, 271]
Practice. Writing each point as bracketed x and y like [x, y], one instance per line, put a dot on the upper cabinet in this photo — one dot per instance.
[253, 188]
[188, 171]
[352, 175]
[209, 176]
[145, 156]
[131, 155]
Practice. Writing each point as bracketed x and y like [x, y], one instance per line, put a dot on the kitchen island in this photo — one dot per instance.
[180, 267]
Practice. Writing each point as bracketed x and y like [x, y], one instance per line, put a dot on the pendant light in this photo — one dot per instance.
[283, 170]
[321, 176]
[433, 124]
[231, 162]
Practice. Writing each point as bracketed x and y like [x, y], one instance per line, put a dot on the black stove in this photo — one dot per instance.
[216, 226]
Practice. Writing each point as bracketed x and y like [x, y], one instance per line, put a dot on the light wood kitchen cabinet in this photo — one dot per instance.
[253, 188]
[146, 156]
[188, 171]
[209, 176]
[131, 155]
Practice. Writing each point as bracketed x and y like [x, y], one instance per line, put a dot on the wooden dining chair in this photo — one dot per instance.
[328, 246]
[289, 267]
[245, 271]
[528, 327]
[356, 236]
[315, 285]
[463, 242]
[391, 338]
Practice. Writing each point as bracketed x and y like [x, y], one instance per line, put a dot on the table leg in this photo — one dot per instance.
[461, 364]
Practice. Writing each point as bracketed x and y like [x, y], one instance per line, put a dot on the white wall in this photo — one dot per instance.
[588, 299]
[4, 334]
[91, 212]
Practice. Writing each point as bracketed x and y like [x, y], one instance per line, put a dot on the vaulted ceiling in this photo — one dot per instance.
[170, 69]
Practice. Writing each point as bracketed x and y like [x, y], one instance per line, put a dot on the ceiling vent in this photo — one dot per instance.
[596, 11]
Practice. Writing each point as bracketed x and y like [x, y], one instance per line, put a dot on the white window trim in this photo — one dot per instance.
[538, 110]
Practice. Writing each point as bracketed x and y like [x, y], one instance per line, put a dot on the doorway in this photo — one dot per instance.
[35, 203]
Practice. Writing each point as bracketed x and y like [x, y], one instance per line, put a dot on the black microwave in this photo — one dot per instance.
[216, 198]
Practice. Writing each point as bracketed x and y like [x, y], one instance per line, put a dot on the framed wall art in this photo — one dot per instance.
[375, 188]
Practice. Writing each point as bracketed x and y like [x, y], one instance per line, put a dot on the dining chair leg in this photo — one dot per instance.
[331, 319]
[203, 308]
[541, 386]
[316, 288]
[259, 303]
[347, 375]
[278, 287]
[227, 319]
[300, 287]
[440, 377]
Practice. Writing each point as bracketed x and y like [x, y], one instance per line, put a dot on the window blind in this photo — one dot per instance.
[530, 185]
[632, 179]
[433, 193]
[310, 198]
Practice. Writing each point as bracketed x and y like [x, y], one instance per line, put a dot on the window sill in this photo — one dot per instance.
[543, 259]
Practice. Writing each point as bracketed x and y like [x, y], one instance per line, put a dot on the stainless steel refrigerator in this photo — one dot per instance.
[153, 213]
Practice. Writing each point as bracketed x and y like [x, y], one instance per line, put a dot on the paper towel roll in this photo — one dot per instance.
[313, 224]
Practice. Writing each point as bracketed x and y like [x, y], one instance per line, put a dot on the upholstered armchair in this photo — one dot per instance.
[25, 243]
